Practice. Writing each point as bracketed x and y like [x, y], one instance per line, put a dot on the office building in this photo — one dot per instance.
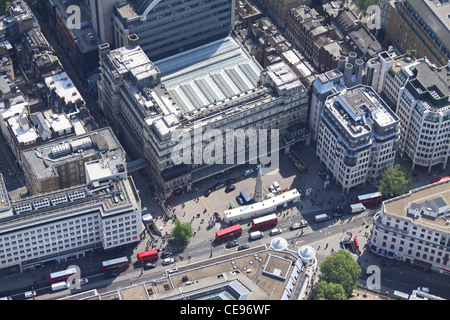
[172, 26]
[215, 86]
[358, 136]
[421, 26]
[76, 36]
[414, 228]
[386, 74]
[423, 108]
[68, 223]
[61, 164]
[348, 73]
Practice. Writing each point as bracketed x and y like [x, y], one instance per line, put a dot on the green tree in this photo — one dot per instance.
[340, 268]
[394, 180]
[362, 5]
[182, 232]
[330, 291]
[3, 7]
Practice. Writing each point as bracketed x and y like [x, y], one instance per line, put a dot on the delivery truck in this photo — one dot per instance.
[321, 217]
[256, 235]
[58, 286]
[357, 207]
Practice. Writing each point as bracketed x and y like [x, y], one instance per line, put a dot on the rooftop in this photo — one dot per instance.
[436, 14]
[84, 35]
[78, 199]
[42, 160]
[64, 87]
[438, 193]
[131, 59]
[358, 108]
[210, 73]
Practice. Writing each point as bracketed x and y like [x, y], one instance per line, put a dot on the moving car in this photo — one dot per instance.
[111, 275]
[232, 244]
[30, 294]
[218, 185]
[259, 166]
[275, 231]
[217, 216]
[230, 188]
[166, 254]
[149, 265]
[208, 192]
[243, 247]
[167, 261]
[83, 281]
[230, 181]
[248, 172]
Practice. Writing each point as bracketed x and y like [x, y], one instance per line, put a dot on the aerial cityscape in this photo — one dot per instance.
[232, 150]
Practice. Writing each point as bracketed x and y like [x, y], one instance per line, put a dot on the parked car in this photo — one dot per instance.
[166, 254]
[243, 247]
[149, 265]
[240, 200]
[232, 244]
[208, 192]
[83, 281]
[272, 189]
[230, 181]
[277, 187]
[230, 188]
[218, 185]
[275, 231]
[248, 172]
[167, 261]
[30, 294]
[424, 289]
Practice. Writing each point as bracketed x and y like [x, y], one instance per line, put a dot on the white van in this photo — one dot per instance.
[357, 207]
[256, 235]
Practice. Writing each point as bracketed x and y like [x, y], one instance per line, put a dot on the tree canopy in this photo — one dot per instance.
[182, 232]
[394, 180]
[330, 291]
[340, 268]
[362, 5]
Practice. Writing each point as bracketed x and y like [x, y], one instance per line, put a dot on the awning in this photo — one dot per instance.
[421, 263]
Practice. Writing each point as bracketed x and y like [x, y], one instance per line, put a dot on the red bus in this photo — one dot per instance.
[228, 233]
[370, 198]
[265, 222]
[440, 179]
[115, 264]
[147, 256]
[63, 275]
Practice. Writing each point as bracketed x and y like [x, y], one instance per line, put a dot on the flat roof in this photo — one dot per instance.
[399, 206]
[43, 159]
[64, 87]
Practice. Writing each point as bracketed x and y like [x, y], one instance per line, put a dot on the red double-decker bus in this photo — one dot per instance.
[115, 264]
[370, 198]
[147, 256]
[63, 275]
[440, 179]
[231, 232]
[265, 222]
